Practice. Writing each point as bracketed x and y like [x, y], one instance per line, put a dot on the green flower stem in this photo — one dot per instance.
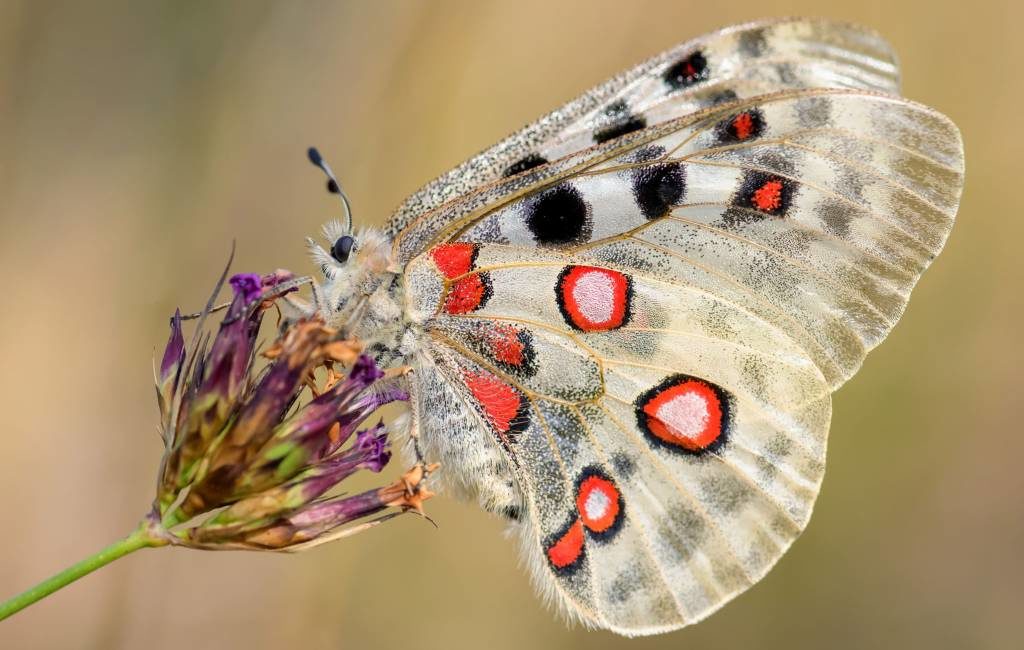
[142, 537]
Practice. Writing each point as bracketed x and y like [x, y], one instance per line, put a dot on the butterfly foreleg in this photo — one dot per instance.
[294, 308]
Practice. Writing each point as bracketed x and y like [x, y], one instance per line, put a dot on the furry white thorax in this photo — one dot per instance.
[362, 296]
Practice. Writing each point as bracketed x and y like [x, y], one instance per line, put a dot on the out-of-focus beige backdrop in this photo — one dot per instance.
[138, 139]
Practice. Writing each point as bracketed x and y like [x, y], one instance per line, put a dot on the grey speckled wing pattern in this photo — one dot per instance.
[740, 61]
[635, 310]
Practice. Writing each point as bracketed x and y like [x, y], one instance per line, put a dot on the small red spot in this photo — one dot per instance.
[743, 125]
[505, 344]
[502, 404]
[568, 548]
[467, 294]
[598, 503]
[768, 197]
[454, 259]
[661, 426]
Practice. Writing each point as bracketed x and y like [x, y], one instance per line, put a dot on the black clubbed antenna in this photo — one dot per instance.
[332, 184]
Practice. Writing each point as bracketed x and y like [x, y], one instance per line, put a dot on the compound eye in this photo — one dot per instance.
[341, 249]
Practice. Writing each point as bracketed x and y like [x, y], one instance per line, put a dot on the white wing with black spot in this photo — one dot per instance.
[819, 214]
[736, 62]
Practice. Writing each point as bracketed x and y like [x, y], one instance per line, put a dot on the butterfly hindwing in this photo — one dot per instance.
[681, 519]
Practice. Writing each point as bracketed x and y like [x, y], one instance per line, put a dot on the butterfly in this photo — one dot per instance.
[623, 323]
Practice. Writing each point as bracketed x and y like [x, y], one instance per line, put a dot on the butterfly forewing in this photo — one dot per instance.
[736, 62]
[825, 237]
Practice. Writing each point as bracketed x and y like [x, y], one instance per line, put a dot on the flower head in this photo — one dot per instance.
[251, 458]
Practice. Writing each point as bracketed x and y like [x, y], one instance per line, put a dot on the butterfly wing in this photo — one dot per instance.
[669, 443]
[644, 334]
[820, 218]
[736, 62]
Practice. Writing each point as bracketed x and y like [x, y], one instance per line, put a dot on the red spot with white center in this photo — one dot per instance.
[684, 412]
[768, 197]
[504, 407]
[598, 502]
[593, 299]
[599, 511]
[568, 548]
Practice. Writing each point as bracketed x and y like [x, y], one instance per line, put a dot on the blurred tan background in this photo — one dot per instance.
[139, 139]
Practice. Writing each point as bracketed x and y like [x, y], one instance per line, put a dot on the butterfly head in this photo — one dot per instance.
[347, 255]
[356, 265]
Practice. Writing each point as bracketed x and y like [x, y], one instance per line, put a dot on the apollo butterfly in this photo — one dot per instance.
[624, 322]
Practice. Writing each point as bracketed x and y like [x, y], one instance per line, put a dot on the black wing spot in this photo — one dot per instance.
[647, 154]
[623, 465]
[766, 193]
[525, 163]
[623, 122]
[689, 71]
[753, 43]
[743, 126]
[559, 216]
[723, 97]
[657, 188]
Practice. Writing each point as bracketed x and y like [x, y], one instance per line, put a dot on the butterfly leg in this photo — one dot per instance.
[294, 308]
[407, 425]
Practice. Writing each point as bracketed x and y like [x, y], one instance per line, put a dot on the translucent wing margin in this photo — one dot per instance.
[734, 63]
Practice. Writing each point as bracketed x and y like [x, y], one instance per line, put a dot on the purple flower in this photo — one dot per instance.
[365, 371]
[232, 349]
[174, 352]
[277, 277]
[247, 285]
[373, 443]
[248, 446]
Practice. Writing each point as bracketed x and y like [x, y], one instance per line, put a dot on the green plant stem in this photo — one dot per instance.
[141, 538]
